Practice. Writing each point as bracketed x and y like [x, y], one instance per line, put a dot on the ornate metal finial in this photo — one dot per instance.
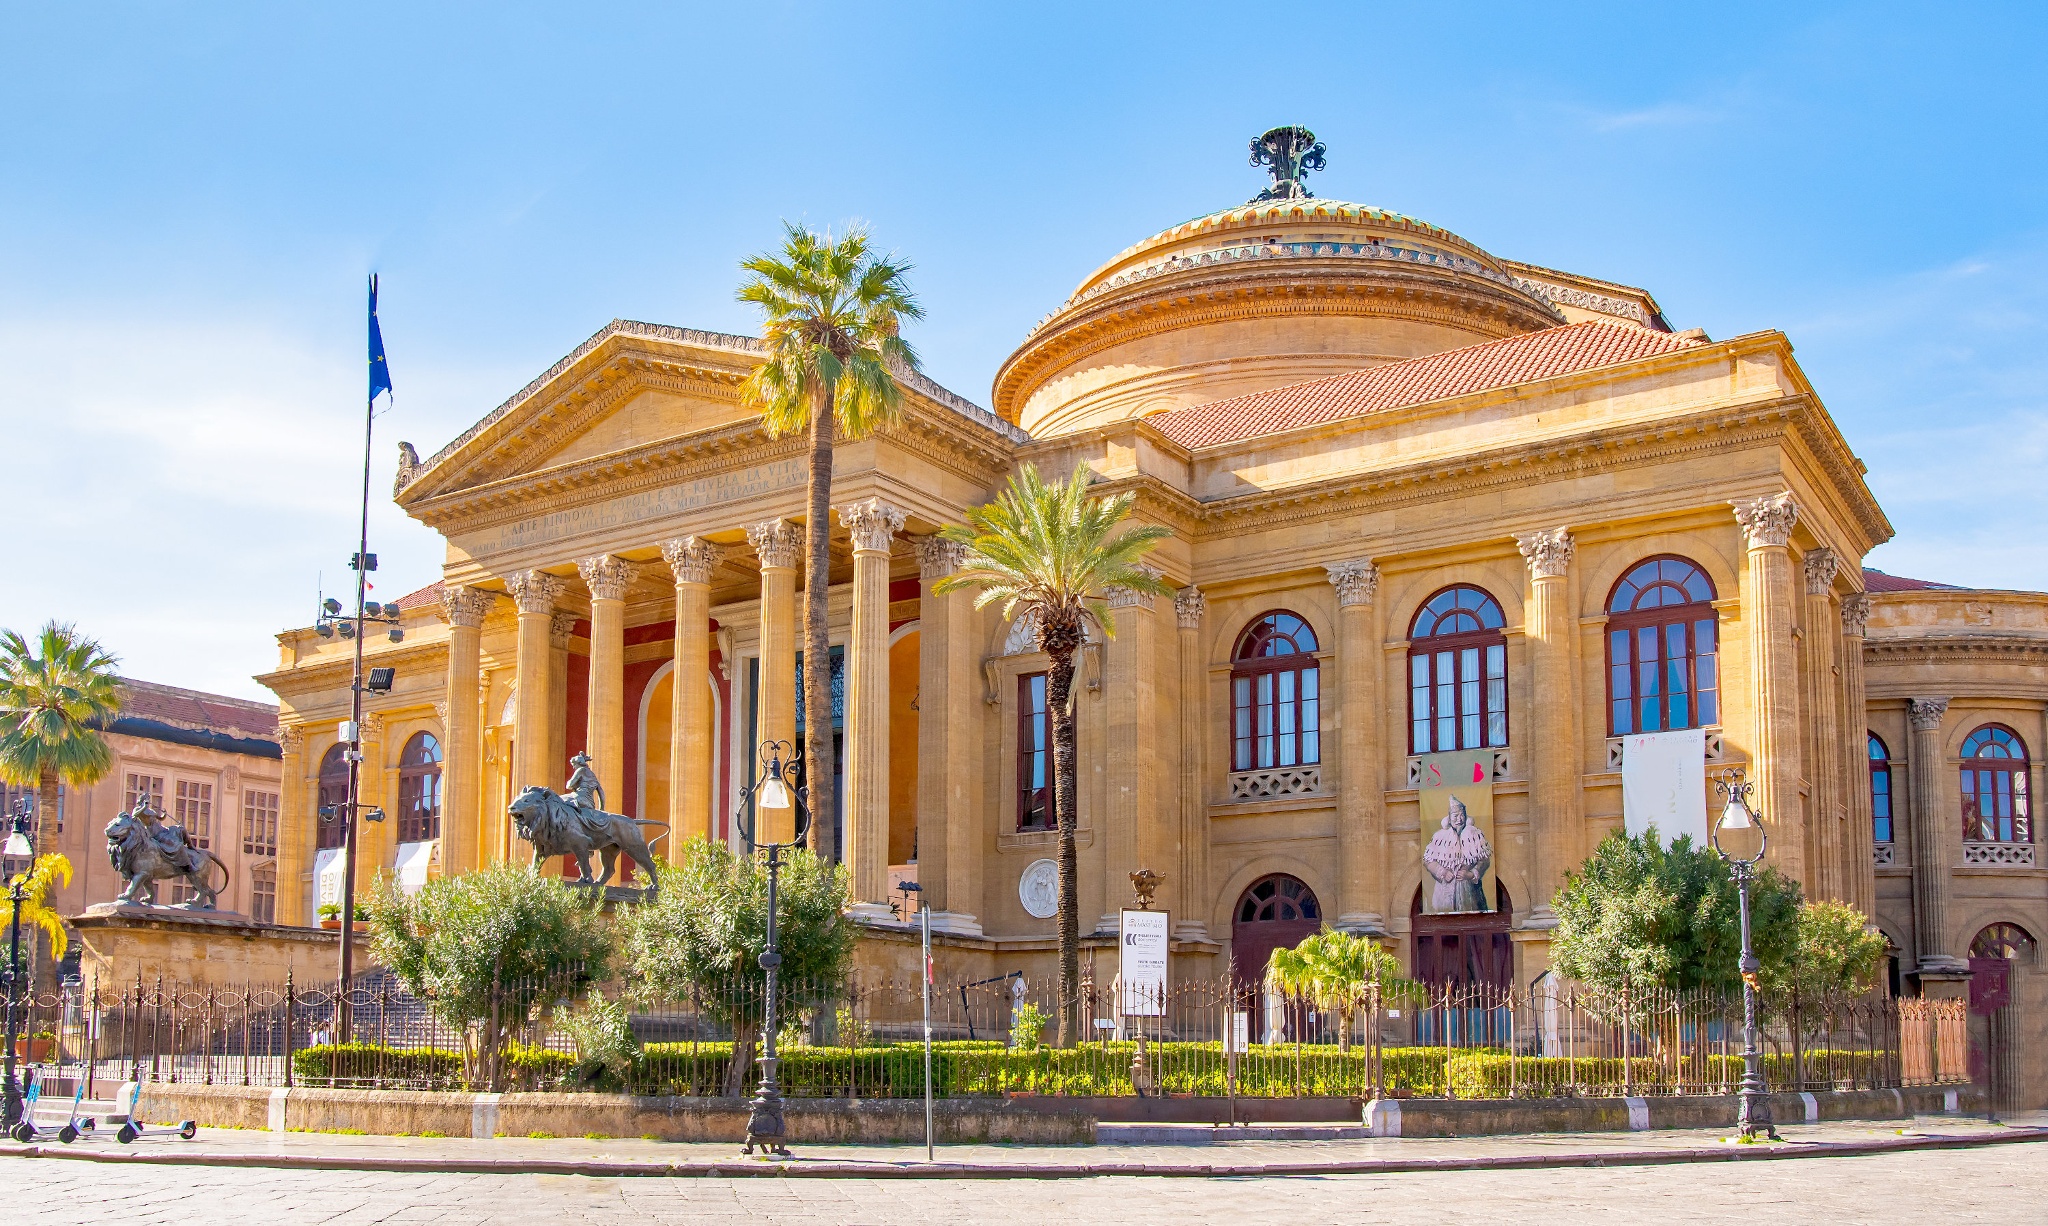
[1146, 883]
[1288, 154]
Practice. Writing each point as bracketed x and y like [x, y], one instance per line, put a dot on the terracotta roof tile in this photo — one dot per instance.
[1878, 581]
[191, 709]
[428, 595]
[1438, 376]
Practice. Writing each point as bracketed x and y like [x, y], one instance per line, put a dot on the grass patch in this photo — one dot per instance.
[538, 1135]
[433, 1133]
[595, 1136]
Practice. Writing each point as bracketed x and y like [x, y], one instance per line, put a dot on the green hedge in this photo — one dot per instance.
[524, 1068]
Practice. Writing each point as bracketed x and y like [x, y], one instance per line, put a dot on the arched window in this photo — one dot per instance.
[419, 789]
[1457, 673]
[1880, 790]
[1278, 898]
[1275, 700]
[333, 797]
[1662, 649]
[1995, 808]
[2008, 941]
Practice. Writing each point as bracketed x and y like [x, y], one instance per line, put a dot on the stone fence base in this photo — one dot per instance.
[812, 1121]
[1435, 1117]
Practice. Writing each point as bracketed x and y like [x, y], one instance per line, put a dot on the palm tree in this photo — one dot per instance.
[1046, 551]
[1339, 972]
[834, 309]
[55, 695]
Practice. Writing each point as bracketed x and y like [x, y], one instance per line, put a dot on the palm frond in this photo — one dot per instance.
[55, 696]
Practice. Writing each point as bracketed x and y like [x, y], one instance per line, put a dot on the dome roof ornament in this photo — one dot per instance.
[1288, 154]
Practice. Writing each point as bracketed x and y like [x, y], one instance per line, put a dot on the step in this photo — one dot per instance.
[1212, 1134]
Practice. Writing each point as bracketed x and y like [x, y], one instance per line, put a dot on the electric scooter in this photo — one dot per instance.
[131, 1128]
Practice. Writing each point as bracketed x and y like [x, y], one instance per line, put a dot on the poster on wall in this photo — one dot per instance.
[328, 864]
[1456, 794]
[1664, 784]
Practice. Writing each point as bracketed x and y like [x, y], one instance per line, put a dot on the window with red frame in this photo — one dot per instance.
[1880, 790]
[1036, 803]
[1995, 806]
[1457, 673]
[1663, 649]
[1275, 695]
[419, 789]
[333, 797]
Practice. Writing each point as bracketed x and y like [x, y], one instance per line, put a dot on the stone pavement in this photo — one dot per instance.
[1991, 1184]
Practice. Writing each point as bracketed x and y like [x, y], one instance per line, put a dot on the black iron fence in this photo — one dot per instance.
[863, 1039]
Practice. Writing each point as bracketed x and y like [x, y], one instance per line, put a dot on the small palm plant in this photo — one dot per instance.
[51, 872]
[1340, 973]
[834, 312]
[1049, 553]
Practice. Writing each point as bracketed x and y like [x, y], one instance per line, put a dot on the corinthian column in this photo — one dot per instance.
[1768, 598]
[1860, 873]
[534, 593]
[1362, 822]
[1130, 822]
[297, 834]
[1933, 832]
[692, 560]
[780, 546]
[873, 525]
[1555, 759]
[1188, 608]
[463, 757]
[1823, 746]
[604, 736]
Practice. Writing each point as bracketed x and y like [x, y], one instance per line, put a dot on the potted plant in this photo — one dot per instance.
[330, 916]
[35, 1048]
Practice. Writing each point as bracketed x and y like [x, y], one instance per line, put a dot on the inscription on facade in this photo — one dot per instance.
[652, 505]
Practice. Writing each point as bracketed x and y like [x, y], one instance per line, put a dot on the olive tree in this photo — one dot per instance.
[701, 938]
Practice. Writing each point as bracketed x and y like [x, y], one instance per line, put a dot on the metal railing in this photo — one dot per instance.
[862, 1039]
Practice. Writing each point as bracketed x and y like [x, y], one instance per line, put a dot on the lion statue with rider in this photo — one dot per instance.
[146, 849]
[574, 823]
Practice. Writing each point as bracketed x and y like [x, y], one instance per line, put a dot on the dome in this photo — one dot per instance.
[1255, 297]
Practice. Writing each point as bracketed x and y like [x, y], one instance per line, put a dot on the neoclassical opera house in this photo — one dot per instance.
[1424, 499]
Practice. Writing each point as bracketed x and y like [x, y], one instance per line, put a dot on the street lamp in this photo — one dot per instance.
[20, 843]
[780, 815]
[1741, 830]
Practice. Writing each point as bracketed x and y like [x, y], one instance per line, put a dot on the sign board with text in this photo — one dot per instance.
[1141, 965]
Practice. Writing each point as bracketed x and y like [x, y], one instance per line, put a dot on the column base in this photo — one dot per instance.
[956, 923]
[1191, 930]
[1363, 923]
[1109, 925]
[871, 913]
[1540, 917]
[1942, 964]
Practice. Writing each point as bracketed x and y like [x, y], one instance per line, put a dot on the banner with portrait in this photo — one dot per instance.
[1458, 850]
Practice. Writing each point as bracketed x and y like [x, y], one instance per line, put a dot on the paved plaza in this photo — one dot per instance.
[1992, 1183]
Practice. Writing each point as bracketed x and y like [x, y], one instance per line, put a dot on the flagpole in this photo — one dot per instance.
[344, 1013]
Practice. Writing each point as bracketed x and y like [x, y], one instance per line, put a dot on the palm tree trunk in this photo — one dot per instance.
[818, 763]
[48, 796]
[1059, 685]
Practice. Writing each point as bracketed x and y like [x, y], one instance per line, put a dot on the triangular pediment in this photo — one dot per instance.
[629, 386]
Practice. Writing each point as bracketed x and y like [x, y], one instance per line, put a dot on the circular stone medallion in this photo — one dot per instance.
[1039, 889]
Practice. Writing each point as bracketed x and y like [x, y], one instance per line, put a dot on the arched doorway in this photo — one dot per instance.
[1468, 961]
[1275, 912]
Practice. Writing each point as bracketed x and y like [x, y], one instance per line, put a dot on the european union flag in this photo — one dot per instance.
[380, 373]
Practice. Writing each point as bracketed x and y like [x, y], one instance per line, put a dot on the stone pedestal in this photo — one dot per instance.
[122, 941]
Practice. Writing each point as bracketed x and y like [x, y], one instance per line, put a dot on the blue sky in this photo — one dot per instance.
[191, 197]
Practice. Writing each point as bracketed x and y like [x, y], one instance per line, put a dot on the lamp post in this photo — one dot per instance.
[1740, 826]
[20, 843]
[773, 816]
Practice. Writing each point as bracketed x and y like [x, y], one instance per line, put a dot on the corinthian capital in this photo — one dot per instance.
[1855, 613]
[466, 606]
[1188, 607]
[534, 591]
[1821, 568]
[1766, 521]
[1357, 582]
[606, 576]
[938, 557]
[560, 628]
[291, 738]
[777, 543]
[1926, 713]
[873, 524]
[692, 558]
[1548, 552]
[1130, 597]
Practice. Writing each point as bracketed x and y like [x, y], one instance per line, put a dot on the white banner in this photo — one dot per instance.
[327, 867]
[1141, 966]
[1664, 784]
[414, 859]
